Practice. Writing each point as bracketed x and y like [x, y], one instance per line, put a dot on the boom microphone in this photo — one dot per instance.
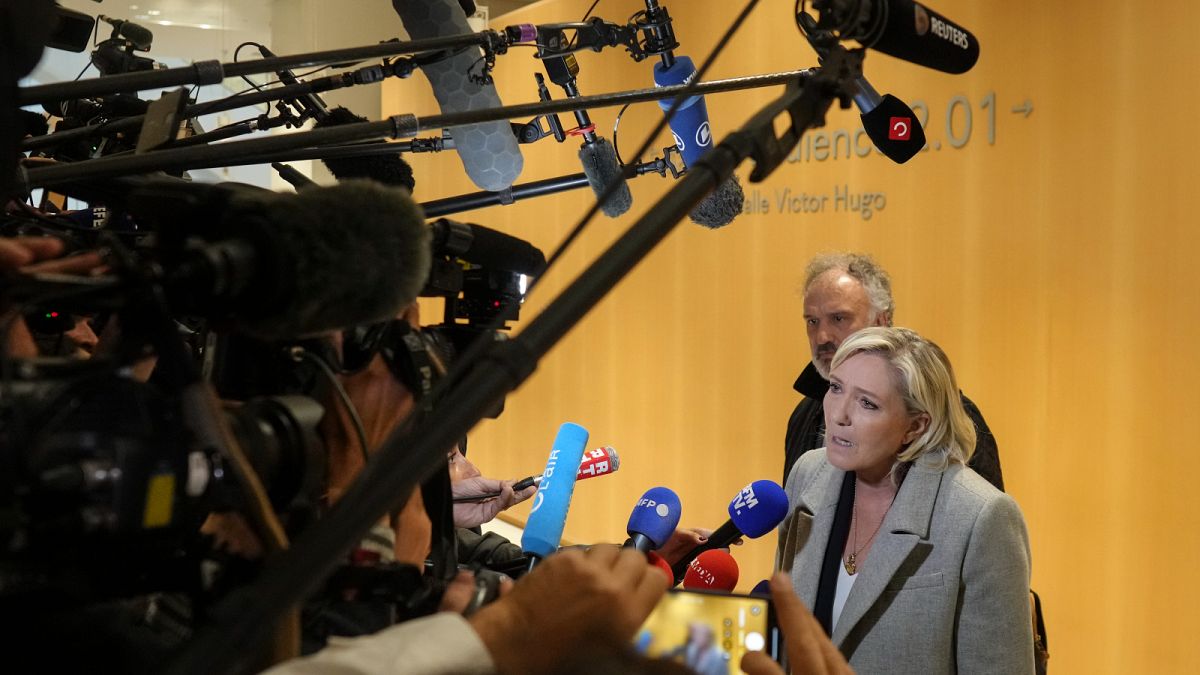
[712, 571]
[598, 156]
[903, 29]
[654, 519]
[755, 511]
[488, 151]
[141, 37]
[544, 528]
[693, 137]
[293, 264]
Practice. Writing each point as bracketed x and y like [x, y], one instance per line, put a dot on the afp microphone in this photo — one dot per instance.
[488, 151]
[755, 511]
[904, 29]
[543, 529]
[654, 519]
[712, 571]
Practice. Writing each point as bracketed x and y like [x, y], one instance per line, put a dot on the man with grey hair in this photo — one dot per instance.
[843, 293]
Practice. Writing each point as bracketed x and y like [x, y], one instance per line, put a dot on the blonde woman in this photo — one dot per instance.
[911, 561]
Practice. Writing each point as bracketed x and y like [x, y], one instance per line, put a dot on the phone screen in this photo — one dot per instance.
[709, 632]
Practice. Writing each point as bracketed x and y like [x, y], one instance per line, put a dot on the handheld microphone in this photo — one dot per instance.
[488, 151]
[598, 462]
[141, 37]
[544, 528]
[904, 29]
[654, 519]
[762, 588]
[693, 137]
[712, 571]
[755, 511]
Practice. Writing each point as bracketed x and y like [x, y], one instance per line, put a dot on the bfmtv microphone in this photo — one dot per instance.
[654, 519]
[904, 29]
[755, 511]
[544, 528]
[693, 137]
[712, 571]
[488, 151]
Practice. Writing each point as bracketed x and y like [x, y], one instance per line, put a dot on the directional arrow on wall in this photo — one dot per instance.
[1026, 107]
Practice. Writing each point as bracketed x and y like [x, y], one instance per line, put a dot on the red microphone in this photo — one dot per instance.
[657, 560]
[713, 570]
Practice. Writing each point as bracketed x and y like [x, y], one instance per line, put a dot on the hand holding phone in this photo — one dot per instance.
[809, 650]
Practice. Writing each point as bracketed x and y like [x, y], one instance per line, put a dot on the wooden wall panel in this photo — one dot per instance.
[1055, 264]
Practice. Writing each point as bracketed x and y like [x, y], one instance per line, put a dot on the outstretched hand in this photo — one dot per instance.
[471, 514]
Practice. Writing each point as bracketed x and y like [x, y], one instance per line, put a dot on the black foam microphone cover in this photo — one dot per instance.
[894, 129]
[386, 169]
[601, 167]
[721, 206]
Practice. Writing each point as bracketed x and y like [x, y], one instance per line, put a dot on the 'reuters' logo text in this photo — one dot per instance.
[926, 22]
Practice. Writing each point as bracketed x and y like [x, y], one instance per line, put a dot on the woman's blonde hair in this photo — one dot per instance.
[926, 382]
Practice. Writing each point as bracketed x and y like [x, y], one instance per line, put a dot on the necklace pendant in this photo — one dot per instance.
[851, 568]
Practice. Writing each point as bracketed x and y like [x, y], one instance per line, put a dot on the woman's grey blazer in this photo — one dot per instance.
[945, 586]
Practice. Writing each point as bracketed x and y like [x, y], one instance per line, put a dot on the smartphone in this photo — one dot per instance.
[709, 632]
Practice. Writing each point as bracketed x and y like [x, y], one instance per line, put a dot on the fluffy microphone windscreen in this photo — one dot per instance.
[331, 257]
[387, 169]
[488, 150]
[601, 167]
[721, 206]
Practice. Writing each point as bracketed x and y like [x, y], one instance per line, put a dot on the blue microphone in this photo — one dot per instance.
[762, 588]
[689, 124]
[544, 528]
[654, 519]
[755, 511]
[693, 137]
